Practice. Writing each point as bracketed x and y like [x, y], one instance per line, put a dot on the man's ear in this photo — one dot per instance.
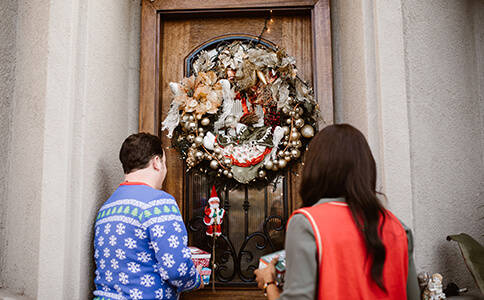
[157, 163]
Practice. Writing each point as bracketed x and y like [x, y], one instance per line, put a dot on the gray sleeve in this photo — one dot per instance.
[413, 289]
[301, 262]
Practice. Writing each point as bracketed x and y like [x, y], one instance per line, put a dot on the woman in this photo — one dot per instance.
[343, 244]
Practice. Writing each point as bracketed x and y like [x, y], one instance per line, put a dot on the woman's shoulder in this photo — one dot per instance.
[299, 223]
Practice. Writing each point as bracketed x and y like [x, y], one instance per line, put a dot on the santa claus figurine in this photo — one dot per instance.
[213, 215]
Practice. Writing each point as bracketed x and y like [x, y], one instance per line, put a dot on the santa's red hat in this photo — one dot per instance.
[213, 197]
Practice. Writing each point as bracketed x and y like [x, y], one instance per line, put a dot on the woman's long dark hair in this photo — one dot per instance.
[339, 163]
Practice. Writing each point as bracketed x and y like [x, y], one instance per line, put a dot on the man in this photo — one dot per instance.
[140, 243]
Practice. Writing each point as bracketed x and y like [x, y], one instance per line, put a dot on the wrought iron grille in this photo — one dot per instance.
[254, 225]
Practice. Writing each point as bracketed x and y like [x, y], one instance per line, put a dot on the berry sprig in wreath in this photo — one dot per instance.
[243, 116]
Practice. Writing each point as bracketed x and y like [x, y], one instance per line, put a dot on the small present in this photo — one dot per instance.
[281, 263]
[200, 257]
[280, 266]
[206, 272]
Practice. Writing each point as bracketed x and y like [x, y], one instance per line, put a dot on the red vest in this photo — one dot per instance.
[344, 270]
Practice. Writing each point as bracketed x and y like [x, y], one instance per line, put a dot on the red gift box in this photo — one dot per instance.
[200, 257]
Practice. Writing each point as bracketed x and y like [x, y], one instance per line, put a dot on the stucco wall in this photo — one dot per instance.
[21, 211]
[422, 63]
[8, 23]
[75, 99]
[445, 129]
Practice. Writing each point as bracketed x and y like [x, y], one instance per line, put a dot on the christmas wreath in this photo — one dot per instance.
[243, 116]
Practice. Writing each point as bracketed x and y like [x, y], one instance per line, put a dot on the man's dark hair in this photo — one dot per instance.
[137, 151]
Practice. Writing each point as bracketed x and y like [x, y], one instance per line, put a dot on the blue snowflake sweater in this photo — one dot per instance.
[140, 246]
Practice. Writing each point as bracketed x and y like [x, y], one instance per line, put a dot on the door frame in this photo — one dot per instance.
[152, 12]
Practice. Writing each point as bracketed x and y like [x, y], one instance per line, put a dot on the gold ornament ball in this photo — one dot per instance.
[288, 121]
[285, 110]
[299, 123]
[268, 165]
[191, 118]
[307, 131]
[205, 121]
[226, 172]
[190, 138]
[286, 130]
[275, 165]
[287, 158]
[199, 155]
[295, 153]
[198, 140]
[192, 126]
[227, 161]
[217, 150]
[214, 164]
[262, 173]
[295, 135]
[230, 175]
[282, 163]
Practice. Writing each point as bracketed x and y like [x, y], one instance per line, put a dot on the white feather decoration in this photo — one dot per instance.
[173, 117]
[276, 139]
[228, 96]
[209, 141]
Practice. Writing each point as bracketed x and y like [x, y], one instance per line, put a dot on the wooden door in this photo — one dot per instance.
[171, 31]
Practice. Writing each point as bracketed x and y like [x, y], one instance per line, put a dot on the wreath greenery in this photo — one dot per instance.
[243, 116]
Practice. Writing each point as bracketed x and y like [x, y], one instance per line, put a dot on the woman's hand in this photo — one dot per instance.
[266, 275]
